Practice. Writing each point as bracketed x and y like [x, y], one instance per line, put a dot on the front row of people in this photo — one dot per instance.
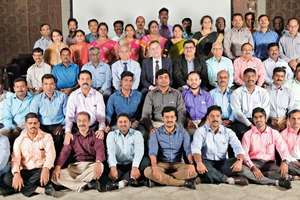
[175, 160]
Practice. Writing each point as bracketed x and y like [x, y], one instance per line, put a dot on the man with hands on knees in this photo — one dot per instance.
[210, 151]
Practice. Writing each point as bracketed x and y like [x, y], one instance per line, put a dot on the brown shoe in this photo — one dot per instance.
[240, 181]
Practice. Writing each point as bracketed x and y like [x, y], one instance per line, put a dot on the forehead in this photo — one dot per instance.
[124, 48]
[123, 118]
[258, 114]
[194, 75]
[65, 52]
[32, 119]
[170, 113]
[82, 116]
[295, 115]
[222, 73]
[20, 83]
[154, 45]
[220, 20]
[247, 46]
[250, 74]
[264, 18]
[237, 17]
[127, 78]
[84, 75]
[214, 112]
[45, 27]
[293, 22]
[163, 13]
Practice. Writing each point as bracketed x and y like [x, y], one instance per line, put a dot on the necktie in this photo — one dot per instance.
[156, 66]
[125, 66]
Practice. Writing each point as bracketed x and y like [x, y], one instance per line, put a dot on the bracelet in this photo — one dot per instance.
[192, 163]
[238, 159]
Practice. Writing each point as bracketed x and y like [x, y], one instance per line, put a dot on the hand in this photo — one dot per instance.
[68, 138]
[190, 124]
[100, 134]
[237, 166]
[58, 130]
[107, 129]
[264, 85]
[44, 179]
[284, 168]
[190, 171]
[274, 123]
[153, 130]
[293, 64]
[17, 182]
[257, 173]
[135, 123]
[251, 126]
[97, 170]
[157, 173]
[113, 173]
[227, 123]
[15, 132]
[201, 168]
[56, 173]
[135, 173]
[152, 87]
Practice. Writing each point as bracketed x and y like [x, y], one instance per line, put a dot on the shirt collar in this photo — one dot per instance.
[256, 131]
[40, 134]
[220, 131]
[90, 133]
[168, 91]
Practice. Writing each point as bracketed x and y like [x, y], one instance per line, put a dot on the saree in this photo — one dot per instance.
[173, 50]
[134, 47]
[52, 54]
[108, 50]
[80, 53]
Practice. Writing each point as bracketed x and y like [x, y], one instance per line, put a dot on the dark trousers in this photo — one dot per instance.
[240, 129]
[57, 139]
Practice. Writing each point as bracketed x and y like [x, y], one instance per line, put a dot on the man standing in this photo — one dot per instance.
[45, 40]
[93, 35]
[220, 25]
[278, 25]
[118, 28]
[72, 26]
[140, 32]
[187, 27]
[166, 147]
[165, 30]
[89, 153]
[37, 71]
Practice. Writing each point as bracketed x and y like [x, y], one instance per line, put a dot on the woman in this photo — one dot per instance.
[80, 50]
[131, 41]
[153, 28]
[52, 53]
[206, 37]
[174, 47]
[108, 48]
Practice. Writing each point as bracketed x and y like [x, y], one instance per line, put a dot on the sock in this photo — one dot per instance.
[121, 184]
[40, 190]
[231, 181]
[277, 183]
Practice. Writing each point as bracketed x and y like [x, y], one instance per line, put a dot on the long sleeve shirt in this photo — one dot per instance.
[43, 43]
[214, 146]
[125, 149]
[35, 74]
[5, 95]
[261, 146]
[261, 42]
[289, 47]
[30, 154]
[4, 151]
[93, 104]
[88, 148]
[292, 139]
[294, 85]
[65, 76]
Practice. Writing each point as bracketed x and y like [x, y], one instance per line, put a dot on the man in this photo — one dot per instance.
[89, 153]
[3, 96]
[294, 85]
[126, 162]
[50, 106]
[244, 99]
[263, 37]
[118, 28]
[187, 27]
[45, 40]
[222, 97]
[281, 100]
[289, 44]
[125, 64]
[274, 61]
[249, 22]
[236, 37]
[260, 144]
[66, 73]
[278, 25]
[151, 65]
[166, 147]
[187, 62]
[93, 35]
[100, 71]
[72, 26]
[215, 165]
[85, 99]
[220, 25]
[165, 30]
[4, 156]
[248, 61]
[157, 99]
[218, 63]
[14, 110]
[36, 71]
[32, 158]
[140, 32]
[196, 102]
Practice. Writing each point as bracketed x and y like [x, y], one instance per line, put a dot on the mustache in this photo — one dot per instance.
[215, 121]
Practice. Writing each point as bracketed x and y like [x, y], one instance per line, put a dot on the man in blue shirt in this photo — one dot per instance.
[66, 73]
[166, 147]
[209, 148]
[93, 35]
[50, 106]
[125, 150]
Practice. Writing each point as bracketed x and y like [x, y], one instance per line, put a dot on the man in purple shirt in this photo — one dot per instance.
[165, 29]
[89, 154]
[196, 101]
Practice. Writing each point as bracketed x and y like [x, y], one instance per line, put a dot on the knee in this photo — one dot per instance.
[148, 172]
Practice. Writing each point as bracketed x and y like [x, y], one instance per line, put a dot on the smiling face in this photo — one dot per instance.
[83, 123]
[214, 118]
[278, 78]
[45, 31]
[32, 126]
[177, 32]
[250, 79]
[274, 52]
[56, 37]
[194, 81]
[264, 22]
[79, 37]
[123, 124]
[206, 24]
[93, 27]
[237, 22]
[247, 51]
[163, 80]
[85, 81]
[153, 28]
[20, 89]
[294, 120]
[48, 85]
[259, 120]
[169, 119]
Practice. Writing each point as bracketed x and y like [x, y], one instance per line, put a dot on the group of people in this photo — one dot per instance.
[154, 107]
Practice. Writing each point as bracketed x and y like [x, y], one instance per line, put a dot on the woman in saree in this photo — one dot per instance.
[80, 50]
[174, 47]
[108, 48]
[52, 53]
[153, 28]
[131, 41]
[206, 37]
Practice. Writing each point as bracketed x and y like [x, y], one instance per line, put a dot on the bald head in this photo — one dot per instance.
[223, 78]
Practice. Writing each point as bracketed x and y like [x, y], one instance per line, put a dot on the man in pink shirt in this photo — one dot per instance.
[32, 158]
[248, 61]
[259, 144]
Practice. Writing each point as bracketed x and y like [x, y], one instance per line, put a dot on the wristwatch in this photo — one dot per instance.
[286, 161]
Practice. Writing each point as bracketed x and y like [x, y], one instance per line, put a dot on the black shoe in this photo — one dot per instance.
[190, 184]
[50, 191]
[112, 186]
[241, 181]
[94, 185]
[149, 183]
[134, 183]
[285, 184]
[6, 191]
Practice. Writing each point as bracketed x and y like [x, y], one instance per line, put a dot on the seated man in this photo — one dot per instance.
[36, 71]
[260, 144]
[125, 150]
[4, 155]
[14, 110]
[187, 62]
[157, 99]
[89, 153]
[3, 96]
[294, 85]
[45, 40]
[50, 106]
[125, 64]
[66, 73]
[32, 158]
[196, 102]
[166, 147]
[216, 165]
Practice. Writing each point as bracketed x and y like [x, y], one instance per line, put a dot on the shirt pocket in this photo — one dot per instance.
[270, 149]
